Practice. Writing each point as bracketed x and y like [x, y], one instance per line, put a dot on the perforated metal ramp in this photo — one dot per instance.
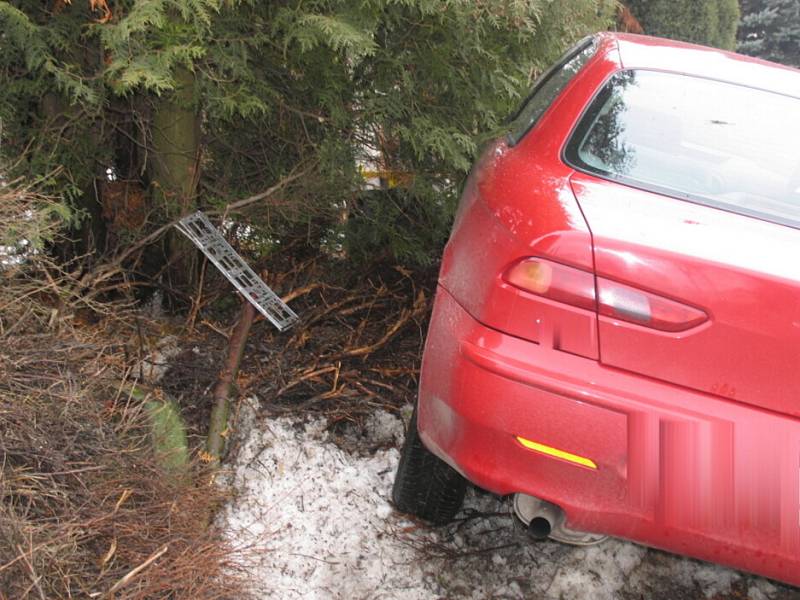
[205, 236]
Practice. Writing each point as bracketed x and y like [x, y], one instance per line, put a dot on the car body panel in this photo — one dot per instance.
[694, 433]
[742, 271]
[680, 470]
[495, 225]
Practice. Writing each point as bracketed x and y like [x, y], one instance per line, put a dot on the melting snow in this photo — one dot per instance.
[319, 520]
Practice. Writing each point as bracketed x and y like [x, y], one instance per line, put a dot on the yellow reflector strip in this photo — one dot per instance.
[550, 451]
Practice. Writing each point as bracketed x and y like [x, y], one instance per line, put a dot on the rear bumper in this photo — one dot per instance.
[679, 470]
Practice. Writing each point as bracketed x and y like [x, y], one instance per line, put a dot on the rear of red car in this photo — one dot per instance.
[617, 325]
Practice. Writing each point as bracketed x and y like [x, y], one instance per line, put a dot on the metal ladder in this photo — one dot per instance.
[205, 236]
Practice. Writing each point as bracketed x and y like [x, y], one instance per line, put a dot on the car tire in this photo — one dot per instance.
[426, 486]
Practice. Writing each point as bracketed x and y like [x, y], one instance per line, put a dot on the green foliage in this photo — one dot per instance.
[309, 31]
[34, 44]
[410, 87]
[153, 38]
[167, 430]
[47, 104]
[770, 29]
[168, 435]
[28, 219]
[712, 22]
[424, 90]
[408, 223]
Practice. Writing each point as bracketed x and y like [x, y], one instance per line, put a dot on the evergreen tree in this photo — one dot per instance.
[711, 22]
[770, 29]
[184, 103]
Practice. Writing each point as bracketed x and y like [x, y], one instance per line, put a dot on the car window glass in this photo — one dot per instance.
[733, 146]
[549, 87]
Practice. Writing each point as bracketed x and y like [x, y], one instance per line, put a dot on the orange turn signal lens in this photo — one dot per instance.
[554, 281]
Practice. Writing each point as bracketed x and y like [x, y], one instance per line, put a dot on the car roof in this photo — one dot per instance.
[645, 52]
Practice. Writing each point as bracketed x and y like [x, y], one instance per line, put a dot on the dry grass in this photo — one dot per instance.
[82, 501]
[85, 509]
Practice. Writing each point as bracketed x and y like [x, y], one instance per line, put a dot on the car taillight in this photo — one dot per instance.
[576, 287]
[554, 281]
[630, 304]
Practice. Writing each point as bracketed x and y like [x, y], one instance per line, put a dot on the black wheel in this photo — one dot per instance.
[425, 485]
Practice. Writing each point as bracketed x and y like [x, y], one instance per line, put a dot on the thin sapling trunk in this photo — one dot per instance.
[226, 384]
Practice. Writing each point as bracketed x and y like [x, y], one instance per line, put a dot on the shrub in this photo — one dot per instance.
[712, 23]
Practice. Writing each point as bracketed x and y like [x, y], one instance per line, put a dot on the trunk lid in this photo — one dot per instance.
[743, 272]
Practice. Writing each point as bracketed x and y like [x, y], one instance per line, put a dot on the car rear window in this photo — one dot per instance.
[717, 143]
[548, 87]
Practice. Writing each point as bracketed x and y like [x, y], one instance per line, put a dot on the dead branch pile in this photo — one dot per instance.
[37, 291]
[357, 346]
[364, 344]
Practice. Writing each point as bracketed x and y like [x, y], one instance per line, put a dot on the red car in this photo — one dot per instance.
[615, 339]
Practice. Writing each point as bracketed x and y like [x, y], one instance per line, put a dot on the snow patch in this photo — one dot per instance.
[596, 571]
[323, 525]
[322, 515]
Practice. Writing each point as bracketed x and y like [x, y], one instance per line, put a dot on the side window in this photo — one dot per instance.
[548, 87]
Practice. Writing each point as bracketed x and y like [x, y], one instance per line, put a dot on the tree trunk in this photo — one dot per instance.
[225, 386]
[174, 173]
[89, 237]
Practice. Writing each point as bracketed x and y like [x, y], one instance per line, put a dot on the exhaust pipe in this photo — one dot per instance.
[545, 520]
[539, 528]
[538, 515]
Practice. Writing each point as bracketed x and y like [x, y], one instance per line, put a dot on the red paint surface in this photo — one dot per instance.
[695, 433]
